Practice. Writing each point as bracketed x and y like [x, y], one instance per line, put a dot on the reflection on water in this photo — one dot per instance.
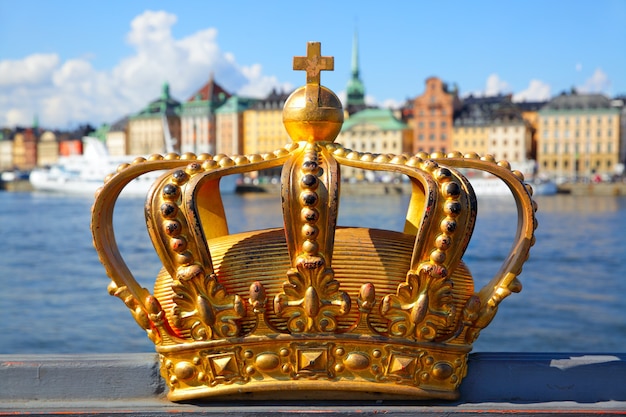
[54, 288]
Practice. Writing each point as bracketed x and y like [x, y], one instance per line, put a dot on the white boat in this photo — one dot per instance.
[84, 174]
[491, 186]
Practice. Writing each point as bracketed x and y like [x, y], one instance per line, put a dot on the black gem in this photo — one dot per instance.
[453, 189]
[453, 207]
[168, 210]
[309, 199]
[310, 165]
[309, 180]
[180, 175]
[170, 190]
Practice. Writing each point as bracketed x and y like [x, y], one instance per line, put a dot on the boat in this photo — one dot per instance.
[84, 174]
[491, 186]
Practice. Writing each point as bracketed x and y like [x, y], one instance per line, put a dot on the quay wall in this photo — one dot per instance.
[497, 383]
[599, 189]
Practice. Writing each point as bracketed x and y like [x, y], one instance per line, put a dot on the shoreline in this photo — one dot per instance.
[578, 189]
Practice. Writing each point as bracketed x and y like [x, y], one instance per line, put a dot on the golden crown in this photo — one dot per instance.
[312, 309]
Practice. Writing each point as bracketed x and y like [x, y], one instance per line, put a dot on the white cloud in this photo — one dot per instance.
[579, 67]
[34, 70]
[537, 91]
[392, 104]
[598, 83]
[495, 86]
[64, 94]
[259, 85]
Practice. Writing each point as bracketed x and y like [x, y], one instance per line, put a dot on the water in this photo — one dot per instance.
[53, 295]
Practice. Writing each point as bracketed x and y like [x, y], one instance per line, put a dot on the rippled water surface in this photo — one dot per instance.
[54, 300]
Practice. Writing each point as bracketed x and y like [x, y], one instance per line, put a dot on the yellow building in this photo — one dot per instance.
[578, 136]
[470, 138]
[495, 126]
[263, 125]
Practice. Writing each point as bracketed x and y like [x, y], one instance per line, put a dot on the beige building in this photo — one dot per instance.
[47, 149]
[376, 131]
[578, 136]
[155, 129]
[6, 155]
[509, 139]
[117, 138]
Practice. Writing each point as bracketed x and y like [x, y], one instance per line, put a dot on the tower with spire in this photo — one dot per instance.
[355, 90]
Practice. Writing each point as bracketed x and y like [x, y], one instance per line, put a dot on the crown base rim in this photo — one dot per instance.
[311, 390]
[321, 367]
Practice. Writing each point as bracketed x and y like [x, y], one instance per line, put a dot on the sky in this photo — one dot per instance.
[71, 62]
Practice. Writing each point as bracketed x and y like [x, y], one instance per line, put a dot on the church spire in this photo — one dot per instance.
[355, 56]
[355, 89]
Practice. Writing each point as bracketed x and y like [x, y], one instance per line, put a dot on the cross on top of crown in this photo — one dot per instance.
[313, 63]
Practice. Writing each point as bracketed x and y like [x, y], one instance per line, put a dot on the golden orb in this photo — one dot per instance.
[307, 119]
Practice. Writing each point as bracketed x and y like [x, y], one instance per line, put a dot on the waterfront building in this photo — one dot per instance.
[376, 131]
[620, 103]
[263, 127]
[355, 90]
[530, 113]
[6, 152]
[69, 146]
[432, 117]
[229, 126]
[150, 130]
[472, 124]
[117, 138]
[579, 136]
[197, 117]
[25, 148]
[263, 124]
[510, 138]
[47, 149]
[494, 125]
